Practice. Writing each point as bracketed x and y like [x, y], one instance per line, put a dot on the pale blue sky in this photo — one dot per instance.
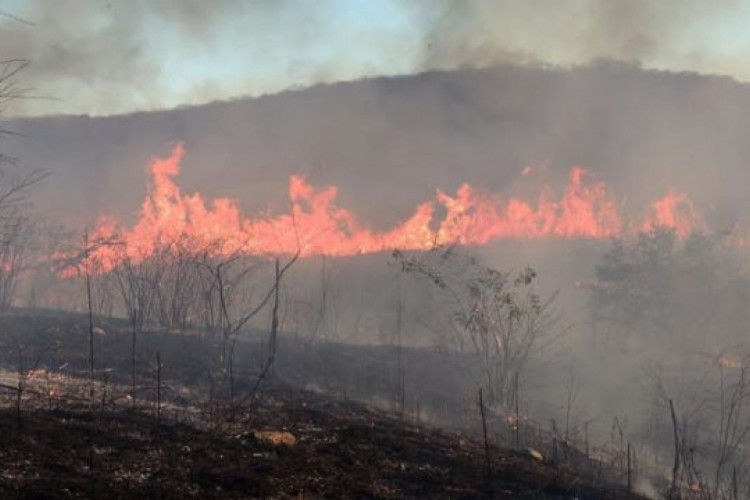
[114, 56]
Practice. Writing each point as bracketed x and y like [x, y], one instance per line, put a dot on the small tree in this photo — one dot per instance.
[498, 314]
[710, 430]
[138, 281]
[226, 290]
[227, 284]
[658, 292]
[16, 228]
[178, 293]
[16, 235]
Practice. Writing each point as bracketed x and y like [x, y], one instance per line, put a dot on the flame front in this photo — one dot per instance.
[676, 211]
[315, 225]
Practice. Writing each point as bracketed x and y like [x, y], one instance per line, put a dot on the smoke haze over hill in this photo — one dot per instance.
[399, 139]
[104, 57]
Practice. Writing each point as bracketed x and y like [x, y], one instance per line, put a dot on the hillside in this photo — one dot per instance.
[400, 138]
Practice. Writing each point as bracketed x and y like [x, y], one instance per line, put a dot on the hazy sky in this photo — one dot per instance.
[102, 57]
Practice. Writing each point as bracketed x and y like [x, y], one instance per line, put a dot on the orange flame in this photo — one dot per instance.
[675, 211]
[729, 361]
[315, 225]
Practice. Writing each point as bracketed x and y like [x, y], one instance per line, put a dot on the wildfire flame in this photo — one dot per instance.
[676, 211]
[315, 225]
[729, 361]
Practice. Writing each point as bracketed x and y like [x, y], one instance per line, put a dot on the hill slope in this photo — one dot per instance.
[398, 139]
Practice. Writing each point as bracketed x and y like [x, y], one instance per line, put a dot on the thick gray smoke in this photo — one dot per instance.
[667, 34]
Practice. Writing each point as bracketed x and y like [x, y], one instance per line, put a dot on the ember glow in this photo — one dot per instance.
[729, 361]
[315, 225]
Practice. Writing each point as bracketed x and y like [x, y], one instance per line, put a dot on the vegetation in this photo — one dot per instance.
[495, 314]
[657, 292]
[681, 309]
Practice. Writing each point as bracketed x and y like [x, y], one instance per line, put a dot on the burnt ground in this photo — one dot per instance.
[332, 450]
[286, 442]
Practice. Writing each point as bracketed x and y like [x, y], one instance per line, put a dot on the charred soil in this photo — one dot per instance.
[298, 445]
[67, 438]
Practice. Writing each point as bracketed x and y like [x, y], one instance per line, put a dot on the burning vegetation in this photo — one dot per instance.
[315, 225]
[208, 326]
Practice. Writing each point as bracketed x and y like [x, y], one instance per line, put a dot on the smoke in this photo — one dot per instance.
[104, 57]
[671, 34]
